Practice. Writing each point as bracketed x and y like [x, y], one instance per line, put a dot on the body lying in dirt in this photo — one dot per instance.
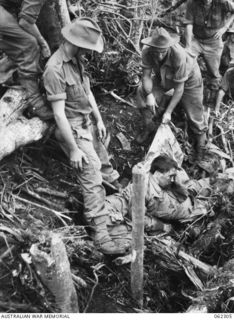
[170, 196]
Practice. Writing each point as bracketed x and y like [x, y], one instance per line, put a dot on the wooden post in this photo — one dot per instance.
[55, 273]
[138, 213]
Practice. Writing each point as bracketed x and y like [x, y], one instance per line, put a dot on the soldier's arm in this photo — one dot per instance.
[147, 85]
[76, 155]
[97, 115]
[33, 30]
[188, 35]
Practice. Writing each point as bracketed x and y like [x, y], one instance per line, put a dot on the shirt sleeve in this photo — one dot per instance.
[54, 84]
[179, 58]
[30, 10]
[189, 14]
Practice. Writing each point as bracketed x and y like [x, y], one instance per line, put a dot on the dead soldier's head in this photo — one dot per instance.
[164, 169]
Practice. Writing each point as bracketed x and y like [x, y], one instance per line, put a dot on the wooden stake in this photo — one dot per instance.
[54, 271]
[138, 213]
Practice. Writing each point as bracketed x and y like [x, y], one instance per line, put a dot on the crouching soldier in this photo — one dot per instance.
[173, 68]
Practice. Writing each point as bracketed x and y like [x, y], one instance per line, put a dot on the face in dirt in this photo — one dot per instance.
[159, 54]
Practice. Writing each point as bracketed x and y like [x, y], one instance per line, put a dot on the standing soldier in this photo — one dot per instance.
[22, 42]
[72, 101]
[206, 22]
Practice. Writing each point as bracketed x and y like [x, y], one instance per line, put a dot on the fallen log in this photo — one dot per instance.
[16, 130]
[53, 268]
[19, 133]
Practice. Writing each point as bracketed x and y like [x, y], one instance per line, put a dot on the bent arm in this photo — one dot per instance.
[63, 124]
[147, 86]
[177, 95]
[75, 154]
[33, 30]
[96, 112]
[188, 34]
[147, 82]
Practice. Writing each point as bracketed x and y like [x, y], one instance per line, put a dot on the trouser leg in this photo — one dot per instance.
[22, 48]
[19, 45]
[196, 47]
[192, 102]
[93, 192]
[212, 51]
[90, 179]
[107, 170]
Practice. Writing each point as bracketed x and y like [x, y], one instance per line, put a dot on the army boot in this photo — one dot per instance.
[37, 105]
[149, 127]
[102, 239]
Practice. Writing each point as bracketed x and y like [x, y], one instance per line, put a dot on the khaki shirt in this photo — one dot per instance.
[65, 79]
[178, 67]
[26, 9]
[206, 22]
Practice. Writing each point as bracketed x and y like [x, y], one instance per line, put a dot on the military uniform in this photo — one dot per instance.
[159, 204]
[18, 44]
[65, 79]
[23, 49]
[177, 67]
[206, 23]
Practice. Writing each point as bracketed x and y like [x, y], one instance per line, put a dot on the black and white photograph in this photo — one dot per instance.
[116, 159]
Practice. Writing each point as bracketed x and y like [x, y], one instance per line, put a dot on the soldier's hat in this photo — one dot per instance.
[160, 39]
[84, 33]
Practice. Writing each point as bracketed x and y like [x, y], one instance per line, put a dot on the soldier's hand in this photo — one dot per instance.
[76, 159]
[166, 118]
[219, 33]
[45, 50]
[151, 103]
[101, 130]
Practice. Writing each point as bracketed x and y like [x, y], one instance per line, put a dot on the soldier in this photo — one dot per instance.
[68, 90]
[170, 196]
[22, 42]
[174, 70]
[206, 22]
